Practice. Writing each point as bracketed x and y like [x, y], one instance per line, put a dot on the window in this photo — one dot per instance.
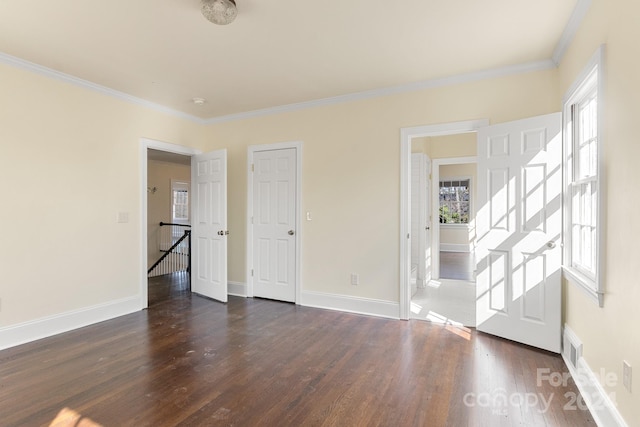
[583, 195]
[455, 201]
[179, 202]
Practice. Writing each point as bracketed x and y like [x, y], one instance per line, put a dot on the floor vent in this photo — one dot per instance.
[571, 347]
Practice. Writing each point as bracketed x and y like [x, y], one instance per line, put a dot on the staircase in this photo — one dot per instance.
[175, 246]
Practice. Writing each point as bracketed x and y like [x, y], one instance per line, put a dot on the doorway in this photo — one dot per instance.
[409, 137]
[449, 295]
[518, 224]
[156, 206]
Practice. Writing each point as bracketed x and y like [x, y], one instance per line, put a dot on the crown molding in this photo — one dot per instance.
[577, 16]
[392, 90]
[67, 78]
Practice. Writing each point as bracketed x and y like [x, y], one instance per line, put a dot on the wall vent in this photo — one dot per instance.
[571, 347]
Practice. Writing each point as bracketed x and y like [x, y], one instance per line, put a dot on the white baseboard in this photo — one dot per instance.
[454, 247]
[602, 408]
[350, 304]
[11, 336]
[238, 289]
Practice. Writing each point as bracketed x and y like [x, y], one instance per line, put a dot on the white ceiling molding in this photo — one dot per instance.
[569, 32]
[411, 87]
[48, 72]
[577, 16]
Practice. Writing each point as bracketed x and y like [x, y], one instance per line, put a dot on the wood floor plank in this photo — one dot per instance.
[191, 361]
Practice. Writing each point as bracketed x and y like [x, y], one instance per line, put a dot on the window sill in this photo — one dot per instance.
[453, 226]
[584, 284]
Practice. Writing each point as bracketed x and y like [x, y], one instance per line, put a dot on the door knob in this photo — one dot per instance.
[427, 228]
[551, 244]
[220, 233]
[291, 232]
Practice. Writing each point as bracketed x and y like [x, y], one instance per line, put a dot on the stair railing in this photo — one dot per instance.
[176, 257]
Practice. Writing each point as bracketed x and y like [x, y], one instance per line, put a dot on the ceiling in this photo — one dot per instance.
[276, 52]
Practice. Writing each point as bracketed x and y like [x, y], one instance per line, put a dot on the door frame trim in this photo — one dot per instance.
[298, 225]
[146, 143]
[406, 135]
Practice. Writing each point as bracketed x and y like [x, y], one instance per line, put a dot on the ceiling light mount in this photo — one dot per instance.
[221, 12]
[199, 101]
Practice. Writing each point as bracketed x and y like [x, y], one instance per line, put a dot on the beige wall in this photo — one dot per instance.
[351, 176]
[609, 333]
[459, 145]
[69, 159]
[159, 175]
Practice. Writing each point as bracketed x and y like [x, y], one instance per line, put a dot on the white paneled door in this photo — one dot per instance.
[274, 224]
[420, 218]
[519, 220]
[209, 225]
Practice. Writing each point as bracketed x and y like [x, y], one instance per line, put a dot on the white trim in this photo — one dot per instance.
[577, 16]
[238, 289]
[76, 81]
[350, 304]
[249, 253]
[392, 90]
[455, 247]
[146, 143]
[406, 135]
[435, 205]
[602, 408]
[44, 327]
[592, 288]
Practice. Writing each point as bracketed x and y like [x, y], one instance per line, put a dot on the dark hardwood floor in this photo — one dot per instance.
[252, 362]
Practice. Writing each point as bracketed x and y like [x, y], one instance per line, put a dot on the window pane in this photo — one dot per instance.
[455, 201]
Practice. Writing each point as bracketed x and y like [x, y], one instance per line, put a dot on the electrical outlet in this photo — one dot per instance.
[626, 375]
[355, 279]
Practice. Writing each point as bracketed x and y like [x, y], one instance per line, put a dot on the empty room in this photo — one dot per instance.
[241, 213]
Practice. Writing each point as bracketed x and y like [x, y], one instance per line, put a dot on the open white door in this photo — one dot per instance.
[209, 225]
[519, 220]
[420, 219]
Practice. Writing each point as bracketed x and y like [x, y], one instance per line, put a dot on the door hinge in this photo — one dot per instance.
[252, 167]
[251, 220]
[252, 272]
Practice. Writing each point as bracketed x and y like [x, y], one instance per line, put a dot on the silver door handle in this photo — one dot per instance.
[291, 232]
[551, 244]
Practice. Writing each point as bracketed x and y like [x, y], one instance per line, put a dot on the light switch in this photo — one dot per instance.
[308, 216]
[123, 217]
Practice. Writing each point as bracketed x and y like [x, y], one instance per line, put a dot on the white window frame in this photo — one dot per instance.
[471, 201]
[180, 185]
[590, 79]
